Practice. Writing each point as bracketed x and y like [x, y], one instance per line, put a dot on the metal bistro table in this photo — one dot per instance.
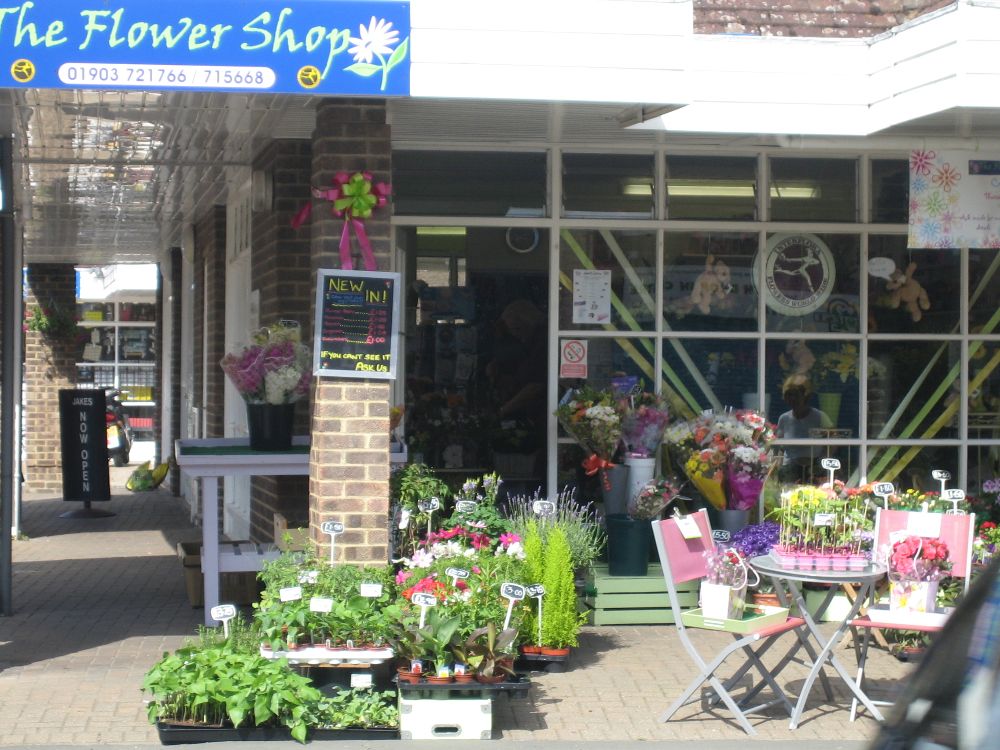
[787, 584]
[212, 458]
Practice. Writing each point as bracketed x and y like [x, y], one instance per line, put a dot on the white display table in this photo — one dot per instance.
[212, 458]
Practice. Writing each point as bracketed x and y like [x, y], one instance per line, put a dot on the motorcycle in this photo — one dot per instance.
[119, 429]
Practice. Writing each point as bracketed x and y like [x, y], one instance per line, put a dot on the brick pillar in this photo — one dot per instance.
[49, 365]
[349, 465]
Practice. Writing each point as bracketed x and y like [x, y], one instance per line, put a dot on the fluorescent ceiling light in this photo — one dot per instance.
[441, 231]
[734, 189]
[637, 188]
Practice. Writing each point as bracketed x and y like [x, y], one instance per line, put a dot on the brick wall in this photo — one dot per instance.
[814, 18]
[49, 365]
[282, 274]
[209, 319]
[349, 466]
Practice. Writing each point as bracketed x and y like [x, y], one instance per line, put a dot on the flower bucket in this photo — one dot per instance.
[913, 596]
[640, 471]
[614, 489]
[722, 602]
[628, 545]
[270, 426]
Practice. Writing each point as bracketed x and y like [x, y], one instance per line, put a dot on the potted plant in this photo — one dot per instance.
[412, 484]
[491, 653]
[560, 619]
[409, 648]
[438, 636]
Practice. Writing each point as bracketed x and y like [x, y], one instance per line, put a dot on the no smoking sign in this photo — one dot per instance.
[572, 358]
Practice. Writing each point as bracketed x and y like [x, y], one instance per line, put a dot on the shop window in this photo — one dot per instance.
[708, 281]
[920, 381]
[811, 282]
[476, 352]
[608, 358]
[910, 466]
[890, 191]
[984, 291]
[984, 476]
[608, 185]
[824, 374]
[912, 291]
[710, 187]
[712, 373]
[984, 390]
[813, 190]
[462, 183]
[607, 280]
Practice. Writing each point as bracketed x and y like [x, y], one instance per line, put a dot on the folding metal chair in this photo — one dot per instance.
[955, 530]
[684, 560]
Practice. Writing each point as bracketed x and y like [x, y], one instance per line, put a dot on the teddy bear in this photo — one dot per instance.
[906, 290]
[714, 283]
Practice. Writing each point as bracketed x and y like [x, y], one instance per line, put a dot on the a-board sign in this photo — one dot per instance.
[84, 442]
[357, 324]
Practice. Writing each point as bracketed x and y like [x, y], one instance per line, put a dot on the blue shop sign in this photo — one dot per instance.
[328, 47]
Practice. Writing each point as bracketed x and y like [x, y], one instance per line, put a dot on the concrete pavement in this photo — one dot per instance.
[99, 600]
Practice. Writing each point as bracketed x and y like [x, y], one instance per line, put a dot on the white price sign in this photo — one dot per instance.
[332, 527]
[371, 590]
[512, 592]
[429, 505]
[830, 464]
[320, 604]
[290, 594]
[466, 506]
[942, 475]
[309, 576]
[543, 507]
[223, 612]
[423, 600]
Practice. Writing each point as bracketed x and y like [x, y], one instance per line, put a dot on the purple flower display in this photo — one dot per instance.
[757, 539]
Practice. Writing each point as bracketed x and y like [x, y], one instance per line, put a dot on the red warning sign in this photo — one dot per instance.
[573, 358]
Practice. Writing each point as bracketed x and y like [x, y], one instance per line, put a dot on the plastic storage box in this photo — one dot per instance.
[451, 719]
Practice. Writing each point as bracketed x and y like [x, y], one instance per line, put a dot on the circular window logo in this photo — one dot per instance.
[22, 70]
[799, 273]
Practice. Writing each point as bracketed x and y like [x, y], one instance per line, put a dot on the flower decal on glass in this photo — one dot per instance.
[373, 50]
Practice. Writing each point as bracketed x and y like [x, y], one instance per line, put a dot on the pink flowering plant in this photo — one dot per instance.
[275, 368]
[919, 559]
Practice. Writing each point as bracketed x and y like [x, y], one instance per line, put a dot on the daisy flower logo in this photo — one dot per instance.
[375, 50]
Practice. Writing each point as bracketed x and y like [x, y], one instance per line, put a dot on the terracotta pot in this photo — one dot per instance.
[547, 651]
[531, 649]
[465, 678]
[766, 600]
[433, 679]
[405, 675]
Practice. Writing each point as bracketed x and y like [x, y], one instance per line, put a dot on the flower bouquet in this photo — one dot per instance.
[590, 418]
[987, 542]
[916, 564]
[275, 368]
[726, 456]
[654, 496]
[724, 587]
[644, 417]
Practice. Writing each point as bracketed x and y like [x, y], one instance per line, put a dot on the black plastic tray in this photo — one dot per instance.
[539, 662]
[172, 734]
[513, 686]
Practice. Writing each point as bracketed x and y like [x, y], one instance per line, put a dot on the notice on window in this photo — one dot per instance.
[954, 199]
[357, 324]
[591, 296]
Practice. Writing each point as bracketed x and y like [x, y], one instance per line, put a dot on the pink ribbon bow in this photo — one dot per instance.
[355, 198]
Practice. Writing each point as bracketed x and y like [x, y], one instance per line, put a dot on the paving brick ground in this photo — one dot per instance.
[98, 600]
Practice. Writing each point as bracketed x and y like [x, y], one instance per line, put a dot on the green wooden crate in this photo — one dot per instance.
[633, 600]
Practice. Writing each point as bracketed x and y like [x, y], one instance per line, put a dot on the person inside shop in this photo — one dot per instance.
[797, 422]
[518, 368]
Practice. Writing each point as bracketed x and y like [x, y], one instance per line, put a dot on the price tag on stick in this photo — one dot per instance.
[512, 592]
[428, 507]
[465, 506]
[831, 465]
[224, 613]
[537, 591]
[332, 528]
[884, 490]
[455, 574]
[423, 601]
[942, 475]
[954, 496]
[543, 508]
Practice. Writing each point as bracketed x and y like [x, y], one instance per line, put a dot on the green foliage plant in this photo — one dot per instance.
[412, 484]
[215, 684]
[439, 635]
[534, 572]
[363, 708]
[486, 518]
[489, 652]
[560, 620]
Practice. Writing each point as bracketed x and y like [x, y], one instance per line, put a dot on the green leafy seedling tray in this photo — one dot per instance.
[754, 618]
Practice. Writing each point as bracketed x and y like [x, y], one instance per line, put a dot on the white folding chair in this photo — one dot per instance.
[955, 530]
[683, 559]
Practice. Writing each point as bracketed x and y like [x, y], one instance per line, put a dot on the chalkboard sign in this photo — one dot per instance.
[84, 442]
[357, 324]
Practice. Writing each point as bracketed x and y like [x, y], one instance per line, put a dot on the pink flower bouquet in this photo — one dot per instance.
[644, 417]
[276, 368]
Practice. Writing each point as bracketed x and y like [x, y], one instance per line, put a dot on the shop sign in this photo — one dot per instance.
[83, 439]
[328, 47]
[799, 273]
[357, 324]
